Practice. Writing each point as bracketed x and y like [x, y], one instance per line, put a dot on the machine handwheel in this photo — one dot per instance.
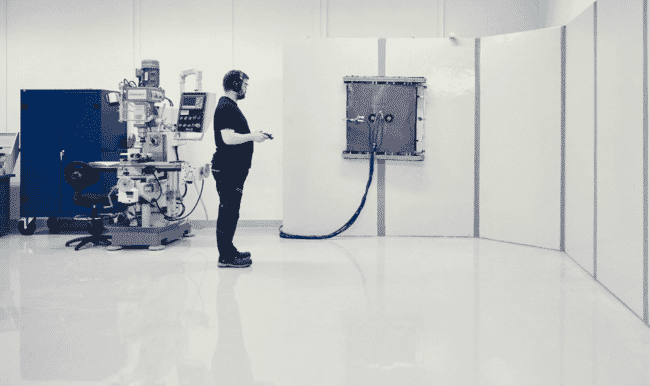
[54, 225]
[28, 229]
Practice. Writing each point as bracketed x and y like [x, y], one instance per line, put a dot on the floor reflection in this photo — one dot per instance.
[355, 311]
[231, 364]
[8, 308]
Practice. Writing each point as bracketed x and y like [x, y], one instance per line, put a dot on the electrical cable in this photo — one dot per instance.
[182, 205]
[202, 203]
[383, 126]
[363, 201]
[168, 218]
[205, 210]
[176, 151]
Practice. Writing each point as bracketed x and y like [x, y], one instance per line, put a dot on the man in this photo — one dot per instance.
[230, 165]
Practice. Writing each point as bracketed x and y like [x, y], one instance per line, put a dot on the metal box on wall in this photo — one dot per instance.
[393, 108]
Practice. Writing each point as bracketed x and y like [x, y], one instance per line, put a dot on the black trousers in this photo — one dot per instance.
[230, 186]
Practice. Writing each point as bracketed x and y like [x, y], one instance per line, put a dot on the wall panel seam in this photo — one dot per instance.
[381, 164]
[477, 136]
[137, 33]
[233, 34]
[645, 161]
[595, 258]
[563, 139]
[6, 6]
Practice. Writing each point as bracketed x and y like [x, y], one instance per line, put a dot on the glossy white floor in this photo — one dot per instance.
[346, 311]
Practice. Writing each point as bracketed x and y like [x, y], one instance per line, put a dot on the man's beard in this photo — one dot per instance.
[241, 95]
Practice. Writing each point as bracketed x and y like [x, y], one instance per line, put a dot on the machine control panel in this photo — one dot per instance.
[195, 111]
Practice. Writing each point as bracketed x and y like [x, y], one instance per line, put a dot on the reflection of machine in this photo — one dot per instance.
[108, 322]
[149, 180]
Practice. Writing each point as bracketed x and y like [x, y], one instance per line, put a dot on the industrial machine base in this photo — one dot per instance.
[152, 236]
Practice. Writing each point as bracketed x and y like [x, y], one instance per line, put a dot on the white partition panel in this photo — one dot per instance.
[321, 190]
[579, 204]
[435, 197]
[520, 138]
[619, 253]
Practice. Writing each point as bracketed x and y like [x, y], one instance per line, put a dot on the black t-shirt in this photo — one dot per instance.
[228, 116]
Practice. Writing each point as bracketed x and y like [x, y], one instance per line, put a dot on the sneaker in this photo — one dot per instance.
[245, 255]
[237, 262]
[241, 255]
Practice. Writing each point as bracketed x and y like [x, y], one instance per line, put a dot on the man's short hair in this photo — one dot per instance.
[234, 80]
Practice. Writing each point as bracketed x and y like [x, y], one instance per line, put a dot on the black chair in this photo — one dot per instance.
[80, 175]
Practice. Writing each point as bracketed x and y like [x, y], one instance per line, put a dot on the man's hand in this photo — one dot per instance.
[258, 136]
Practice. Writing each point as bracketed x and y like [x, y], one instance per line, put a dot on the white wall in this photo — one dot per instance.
[520, 138]
[562, 12]
[3, 66]
[580, 107]
[620, 150]
[321, 189]
[478, 18]
[383, 18]
[435, 197]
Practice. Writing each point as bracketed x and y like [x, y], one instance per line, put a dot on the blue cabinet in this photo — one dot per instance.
[58, 127]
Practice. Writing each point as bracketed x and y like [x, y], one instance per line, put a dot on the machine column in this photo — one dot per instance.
[146, 215]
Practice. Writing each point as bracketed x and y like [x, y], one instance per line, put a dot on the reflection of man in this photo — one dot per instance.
[231, 364]
[230, 165]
